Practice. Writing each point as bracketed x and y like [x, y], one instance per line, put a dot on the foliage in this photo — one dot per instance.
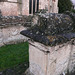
[73, 10]
[64, 5]
[12, 55]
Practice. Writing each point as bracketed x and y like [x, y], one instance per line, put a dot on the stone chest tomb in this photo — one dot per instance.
[52, 51]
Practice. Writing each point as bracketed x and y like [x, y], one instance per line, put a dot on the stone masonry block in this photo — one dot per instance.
[46, 60]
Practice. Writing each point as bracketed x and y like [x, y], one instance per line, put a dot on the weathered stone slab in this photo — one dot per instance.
[51, 29]
[6, 21]
[11, 35]
[10, 28]
[54, 23]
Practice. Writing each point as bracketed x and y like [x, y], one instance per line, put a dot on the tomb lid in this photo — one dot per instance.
[51, 29]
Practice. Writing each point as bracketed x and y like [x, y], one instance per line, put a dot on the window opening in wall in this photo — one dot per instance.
[33, 6]
[30, 6]
[37, 5]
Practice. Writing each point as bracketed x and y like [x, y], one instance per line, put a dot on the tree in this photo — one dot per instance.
[64, 5]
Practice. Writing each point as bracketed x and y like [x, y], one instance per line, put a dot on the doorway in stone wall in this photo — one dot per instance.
[33, 6]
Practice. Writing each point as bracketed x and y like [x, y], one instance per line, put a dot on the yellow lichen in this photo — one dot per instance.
[51, 38]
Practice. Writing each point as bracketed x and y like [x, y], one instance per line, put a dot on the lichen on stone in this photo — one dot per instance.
[51, 29]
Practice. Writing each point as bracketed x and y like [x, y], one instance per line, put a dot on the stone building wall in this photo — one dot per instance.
[21, 7]
[9, 8]
[55, 6]
[51, 5]
[25, 7]
[43, 4]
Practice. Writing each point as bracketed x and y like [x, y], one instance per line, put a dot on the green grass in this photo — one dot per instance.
[12, 55]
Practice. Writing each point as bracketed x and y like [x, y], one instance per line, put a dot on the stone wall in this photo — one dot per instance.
[51, 5]
[25, 7]
[9, 8]
[11, 35]
[21, 7]
[14, 7]
[14, 20]
[10, 28]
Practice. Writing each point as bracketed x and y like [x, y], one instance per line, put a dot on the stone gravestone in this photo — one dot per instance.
[52, 46]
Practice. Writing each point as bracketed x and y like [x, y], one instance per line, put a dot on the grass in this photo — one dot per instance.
[12, 55]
